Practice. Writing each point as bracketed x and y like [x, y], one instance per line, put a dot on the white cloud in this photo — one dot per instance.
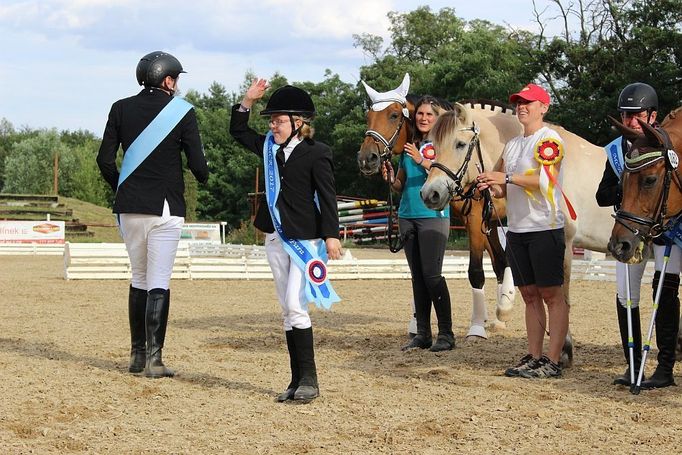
[68, 60]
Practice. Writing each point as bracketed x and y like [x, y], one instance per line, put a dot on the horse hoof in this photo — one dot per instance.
[503, 311]
[477, 332]
[474, 339]
[497, 325]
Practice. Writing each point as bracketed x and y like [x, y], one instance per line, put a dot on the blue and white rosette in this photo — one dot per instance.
[310, 259]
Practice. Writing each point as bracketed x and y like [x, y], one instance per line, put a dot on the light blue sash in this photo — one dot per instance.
[309, 259]
[614, 152]
[153, 134]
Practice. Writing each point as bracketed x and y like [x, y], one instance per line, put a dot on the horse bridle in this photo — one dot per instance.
[395, 244]
[457, 177]
[379, 139]
[655, 224]
[458, 189]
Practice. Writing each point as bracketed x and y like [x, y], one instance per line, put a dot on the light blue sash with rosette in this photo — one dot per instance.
[152, 135]
[310, 259]
[614, 152]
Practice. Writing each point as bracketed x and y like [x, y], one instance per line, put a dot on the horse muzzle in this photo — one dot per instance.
[435, 195]
[369, 163]
[628, 249]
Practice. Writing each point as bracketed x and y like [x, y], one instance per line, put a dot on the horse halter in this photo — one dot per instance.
[655, 224]
[379, 139]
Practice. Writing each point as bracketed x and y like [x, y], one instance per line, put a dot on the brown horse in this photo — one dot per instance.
[388, 129]
[652, 191]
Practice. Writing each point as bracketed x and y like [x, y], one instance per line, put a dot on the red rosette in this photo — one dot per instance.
[549, 151]
[428, 151]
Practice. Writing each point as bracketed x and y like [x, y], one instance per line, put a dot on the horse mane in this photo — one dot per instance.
[672, 114]
[445, 127]
[487, 103]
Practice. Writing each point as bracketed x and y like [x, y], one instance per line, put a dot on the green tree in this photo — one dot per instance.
[448, 57]
[614, 44]
[30, 163]
[80, 177]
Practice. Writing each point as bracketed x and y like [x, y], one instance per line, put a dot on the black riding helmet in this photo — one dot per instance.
[638, 97]
[155, 66]
[292, 101]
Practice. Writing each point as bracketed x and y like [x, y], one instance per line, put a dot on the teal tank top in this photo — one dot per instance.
[411, 204]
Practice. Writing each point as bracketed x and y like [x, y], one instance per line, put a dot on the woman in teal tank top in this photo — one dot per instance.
[425, 231]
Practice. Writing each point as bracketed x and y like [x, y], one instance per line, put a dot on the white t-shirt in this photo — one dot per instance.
[534, 212]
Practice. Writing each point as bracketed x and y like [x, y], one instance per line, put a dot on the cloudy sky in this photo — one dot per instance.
[63, 62]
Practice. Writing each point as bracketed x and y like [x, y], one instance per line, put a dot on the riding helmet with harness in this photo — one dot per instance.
[292, 101]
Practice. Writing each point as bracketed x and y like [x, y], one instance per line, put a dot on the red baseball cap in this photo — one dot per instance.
[531, 92]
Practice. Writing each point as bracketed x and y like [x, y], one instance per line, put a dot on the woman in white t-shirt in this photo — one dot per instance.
[529, 175]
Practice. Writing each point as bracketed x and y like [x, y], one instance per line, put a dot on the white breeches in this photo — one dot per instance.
[152, 242]
[289, 283]
[637, 270]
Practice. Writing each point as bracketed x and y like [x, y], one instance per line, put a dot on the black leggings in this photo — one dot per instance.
[425, 243]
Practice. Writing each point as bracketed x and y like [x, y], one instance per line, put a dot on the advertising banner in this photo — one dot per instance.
[200, 232]
[32, 232]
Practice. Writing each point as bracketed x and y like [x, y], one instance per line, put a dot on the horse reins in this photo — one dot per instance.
[655, 224]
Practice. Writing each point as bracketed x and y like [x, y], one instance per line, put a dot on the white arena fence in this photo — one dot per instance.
[195, 261]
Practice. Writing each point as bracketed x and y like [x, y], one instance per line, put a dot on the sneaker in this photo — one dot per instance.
[526, 362]
[543, 369]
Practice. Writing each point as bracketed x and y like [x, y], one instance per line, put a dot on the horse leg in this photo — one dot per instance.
[506, 292]
[412, 325]
[479, 313]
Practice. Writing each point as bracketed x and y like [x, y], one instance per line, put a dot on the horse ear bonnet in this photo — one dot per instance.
[290, 100]
[155, 66]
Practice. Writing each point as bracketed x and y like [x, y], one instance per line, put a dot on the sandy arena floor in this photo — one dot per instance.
[65, 387]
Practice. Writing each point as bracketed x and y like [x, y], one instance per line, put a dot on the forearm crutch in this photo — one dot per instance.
[635, 389]
[631, 341]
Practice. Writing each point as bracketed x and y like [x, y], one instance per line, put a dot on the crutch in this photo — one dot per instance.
[631, 341]
[635, 389]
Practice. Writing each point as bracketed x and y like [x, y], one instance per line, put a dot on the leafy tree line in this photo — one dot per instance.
[602, 46]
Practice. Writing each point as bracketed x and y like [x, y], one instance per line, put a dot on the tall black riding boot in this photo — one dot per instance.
[441, 303]
[636, 339]
[158, 302]
[288, 394]
[308, 387]
[422, 309]
[137, 304]
[667, 326]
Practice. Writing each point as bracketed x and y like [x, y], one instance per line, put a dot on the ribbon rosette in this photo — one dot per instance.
[548, 152]
[428, 151]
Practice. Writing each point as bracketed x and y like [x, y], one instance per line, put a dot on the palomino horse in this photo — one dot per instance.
[652, 191]
[388, 129]
[490, 127]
